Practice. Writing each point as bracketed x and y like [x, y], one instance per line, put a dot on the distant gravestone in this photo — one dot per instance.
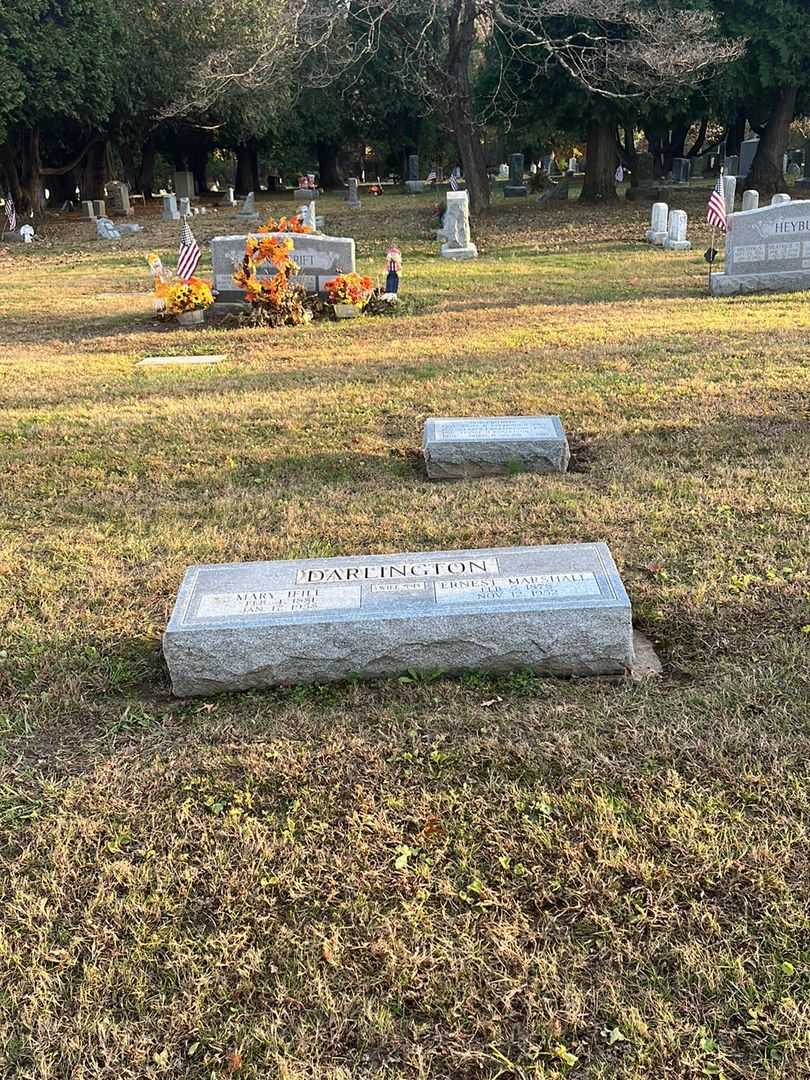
[182, 361]
[353, 198]
[88, 213]
[676, 232]
[698, 167]
[184, 185]
[105, 230]
[750, 200]
[413, 185]
[729, 191]
[503, 171]
[805, 179]
[572, 165]
[319, 258]
[781, 197]
[456, 229]
[248, 207]
[681, 170]
[170, 211]
[732, 165]
[767, 250]
[184, 207]
[657, 232]
[516, 189]
[99, 208]
[748, 151]
[118, 195]
[229, 200]
[455, 447]
[645, 168]
[558, 610]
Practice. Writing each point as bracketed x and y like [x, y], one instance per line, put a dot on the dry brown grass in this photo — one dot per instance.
[467, 878]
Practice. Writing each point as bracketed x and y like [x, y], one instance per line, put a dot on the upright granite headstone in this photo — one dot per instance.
[248, 208]
[681, 170]
[778, 199]
[229, 200]
[88, 213]
[750, 200]
[729, 191]
[676, 232]
[170, 211]
[657, 232]
[119, 199]
[413, 185]
[572, 165]
[99, 208]
[454, 447]
[516, 189]
[185, 207]
[184, 185]
[732, 165]
[319, 257]
[557, 610]
[309, 216]
[645, 168]
[767, 250]
[748, 151]
[352, 197]
[456, 230]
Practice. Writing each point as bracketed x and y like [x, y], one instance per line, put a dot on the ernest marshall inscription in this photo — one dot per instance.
[560, 609]
[455, 447]
[767, 250]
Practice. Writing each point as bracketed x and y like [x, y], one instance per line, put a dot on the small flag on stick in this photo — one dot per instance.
[11, 212]
[453, 182]
[716, 215]
[189, 254]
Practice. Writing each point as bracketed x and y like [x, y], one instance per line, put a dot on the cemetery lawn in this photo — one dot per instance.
[477, 877]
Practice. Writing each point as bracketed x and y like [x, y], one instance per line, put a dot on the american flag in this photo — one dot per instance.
[453, 182]
[11, 212]
[189, 254]
[431, 176]
[716, 216]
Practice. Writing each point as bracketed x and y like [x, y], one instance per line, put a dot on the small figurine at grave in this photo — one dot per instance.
[27, 234]
[393, 266]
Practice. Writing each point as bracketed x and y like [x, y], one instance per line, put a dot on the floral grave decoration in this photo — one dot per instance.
[351, 289]
[285, 224]
[173, 298]
[275, 300]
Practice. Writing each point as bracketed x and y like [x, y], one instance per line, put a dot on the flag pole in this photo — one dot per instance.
[714, 228]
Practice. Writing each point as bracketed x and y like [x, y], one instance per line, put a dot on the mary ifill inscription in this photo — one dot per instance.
[559, 609]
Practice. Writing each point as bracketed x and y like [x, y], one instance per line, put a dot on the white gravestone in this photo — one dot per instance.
[319, 258]
[767, 250]
[780, 198]
[88, 213]
[657, 232]
[170, 211]
[455, 447]
[27, 233]
[353, 198]
[729, 192]
[309, 216]
[676, 232]
[229, 200]
[99, 208]
[456, 228]
[750, 200]
[184, 207]
[248, 207]
[558, 609]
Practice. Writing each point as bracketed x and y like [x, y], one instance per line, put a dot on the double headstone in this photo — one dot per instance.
[353, 198]
[516, 189]
[767, 250]
[681, 170]
[750, 200]
[318, 257]
[184, 185]
[558, 609]
[456, 229]
[676, 232]
[657, 232]
[170, 211]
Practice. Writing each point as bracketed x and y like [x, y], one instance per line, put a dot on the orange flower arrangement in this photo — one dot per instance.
[349, 289]
[285, 224]
[275, 300]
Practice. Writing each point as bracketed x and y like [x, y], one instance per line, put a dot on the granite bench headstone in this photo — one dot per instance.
[319, 258]
[455, 446]
[767, 250]
[557, 609]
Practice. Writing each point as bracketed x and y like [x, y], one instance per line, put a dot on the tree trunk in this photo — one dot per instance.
[328, 171]
[8, 167]
[736, 133]
[198, 160]
[700, 138]
[94, 174]
[599, 185]
[628, 152]
[767, 175]
[146, 173]
[247, 167]
[471, 152]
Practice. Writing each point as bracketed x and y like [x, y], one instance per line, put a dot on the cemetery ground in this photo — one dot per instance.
[466, 877]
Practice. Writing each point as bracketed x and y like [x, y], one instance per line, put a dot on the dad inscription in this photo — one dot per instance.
[557, 609]
[767, 250]
[320, 258]
[456, 447]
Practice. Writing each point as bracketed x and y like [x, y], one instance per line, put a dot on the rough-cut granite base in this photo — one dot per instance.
[677, 245]
[557, 610]
[414, 187]
[458, 447]
[732, 284]
[468, 252]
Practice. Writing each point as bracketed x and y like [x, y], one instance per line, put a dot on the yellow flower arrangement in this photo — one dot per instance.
[179, 296]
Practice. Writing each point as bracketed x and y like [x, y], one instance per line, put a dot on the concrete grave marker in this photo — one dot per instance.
[456, 447]
[657, 232]
[767, 250]
[166, 361]
[456, 228]
[88, 213]
[515, 189]
[353, 198]
[556, 609]
[170, 211]
[248, 207]
[780, 198]
[750, 200]
[319, 257]
[99, 208]
[676, 232]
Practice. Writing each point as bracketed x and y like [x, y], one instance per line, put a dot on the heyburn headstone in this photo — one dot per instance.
[767, 250]
[456, 228]
[455, 447]
[319, 258]
[558, 609]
